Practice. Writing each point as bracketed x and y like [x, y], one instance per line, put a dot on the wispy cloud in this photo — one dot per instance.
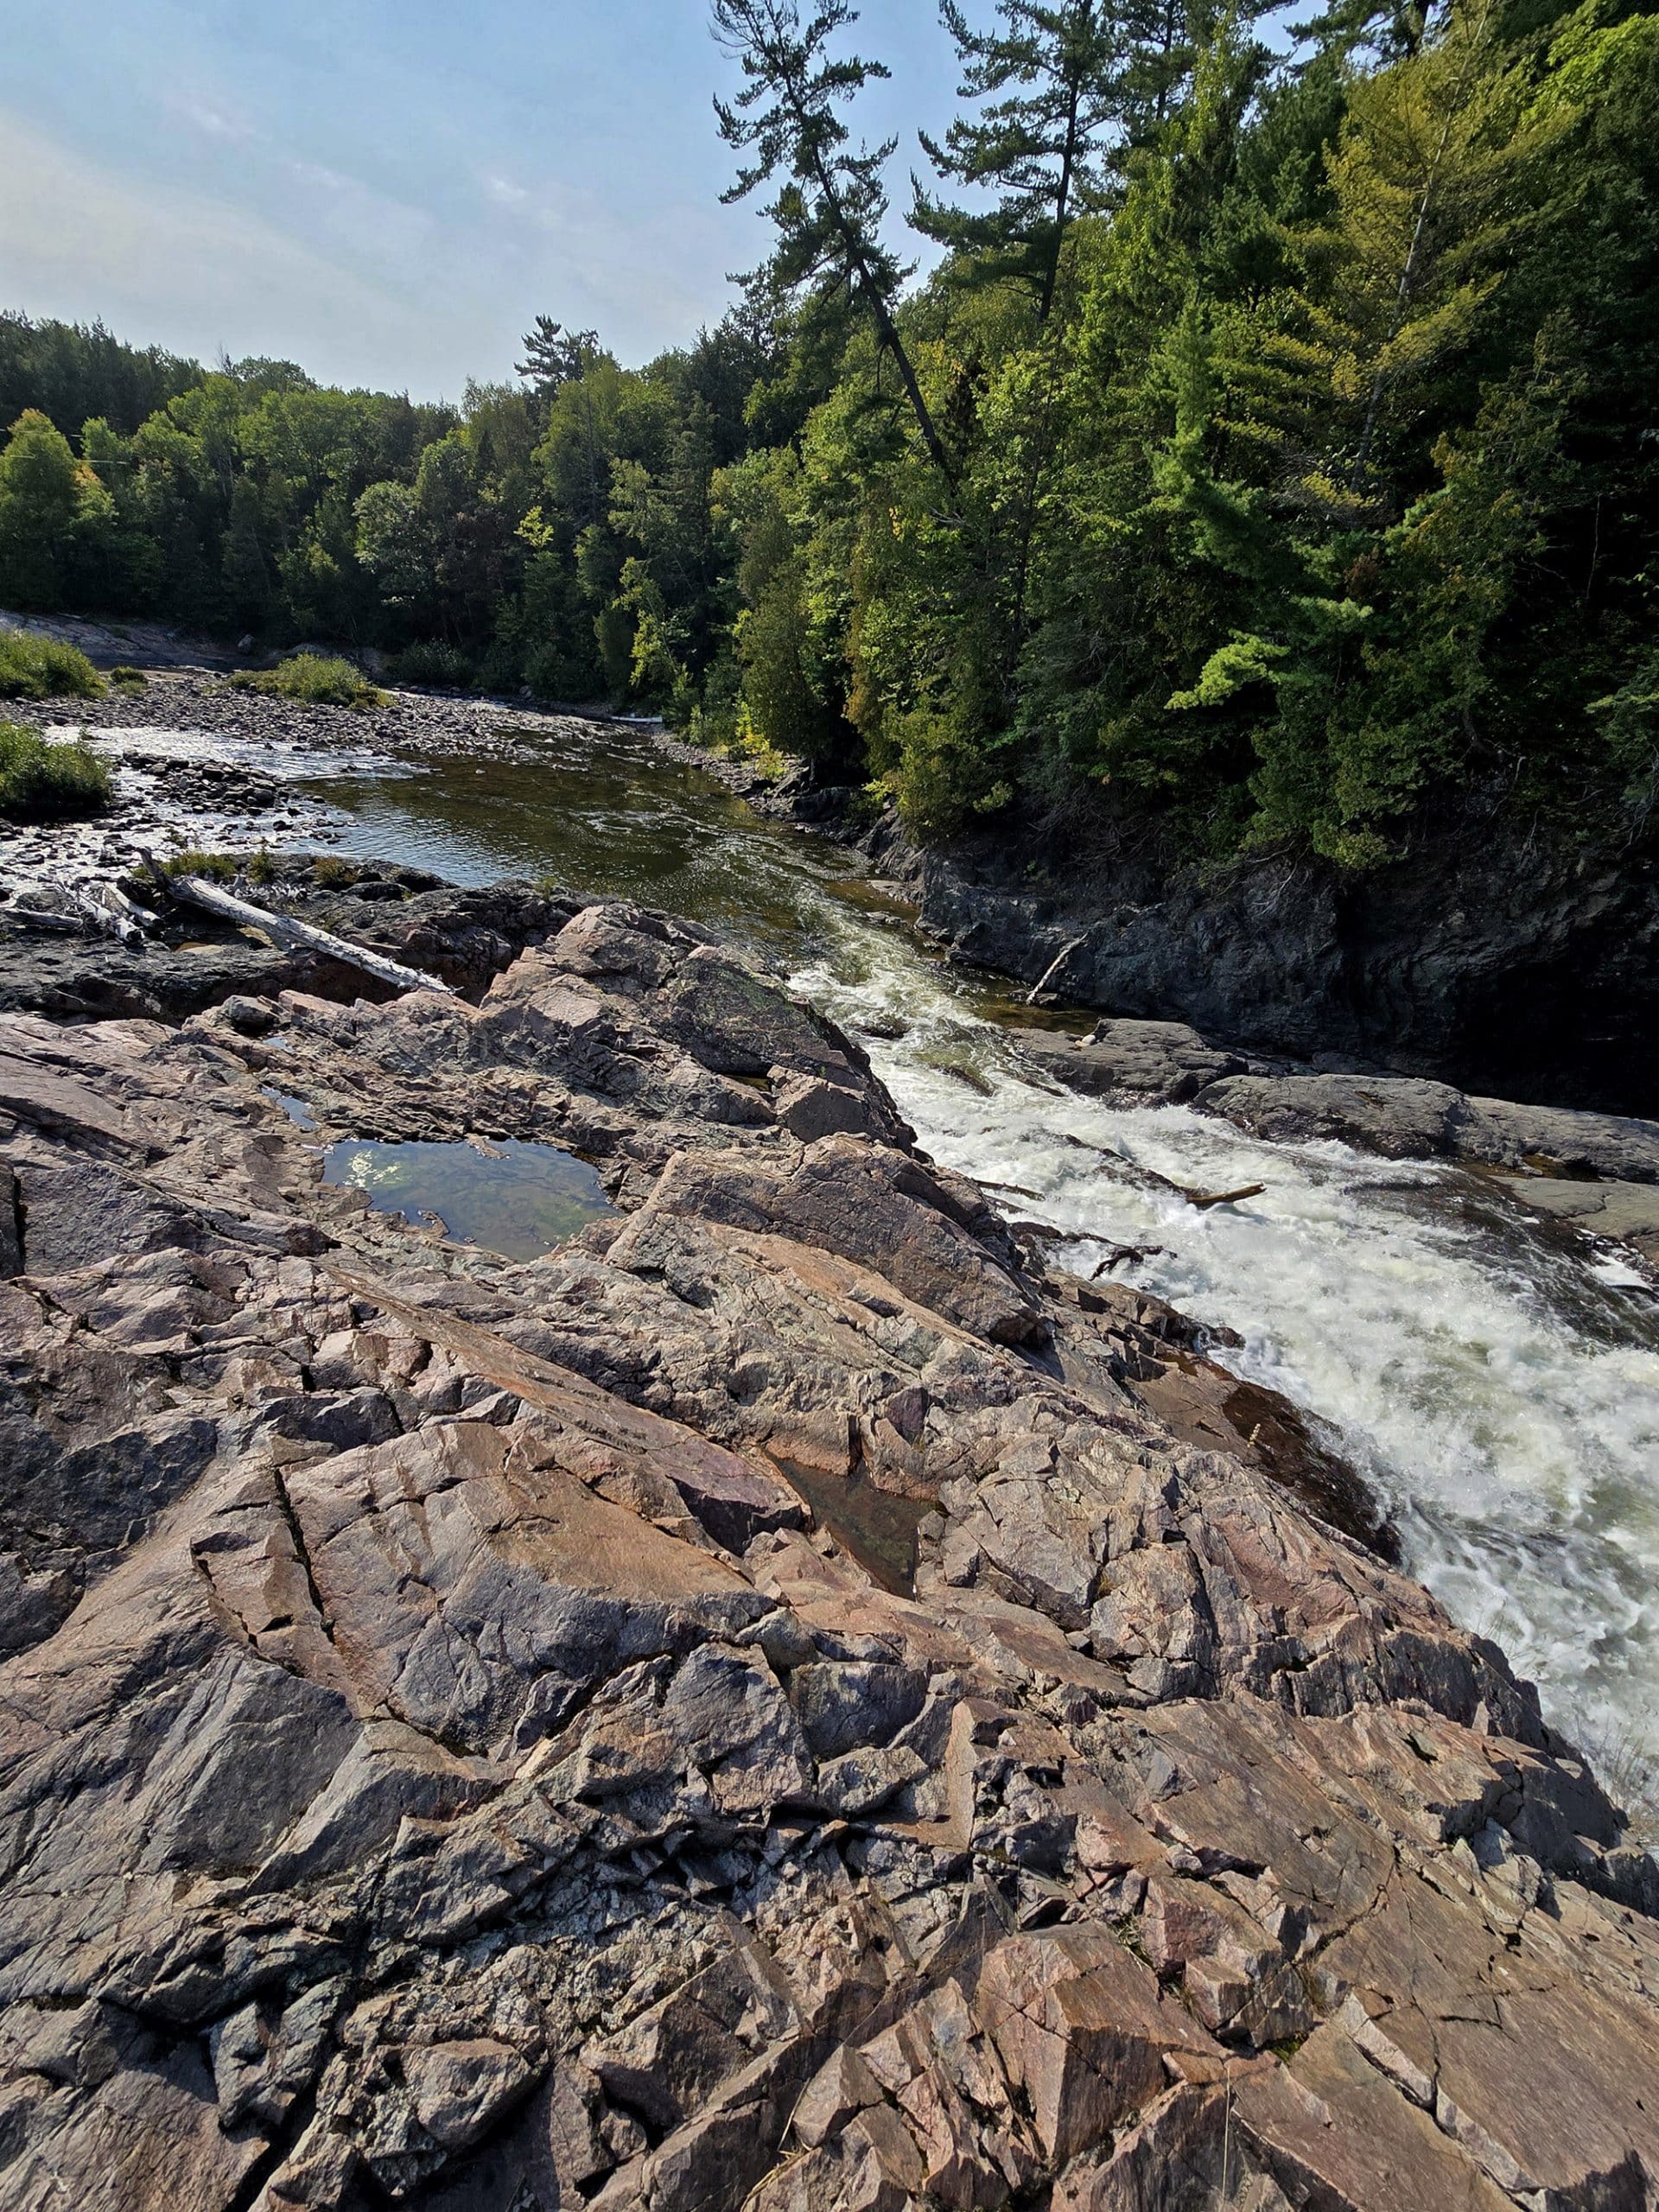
[210, 120]
[325, 179]
[503, 192]
[82, 241]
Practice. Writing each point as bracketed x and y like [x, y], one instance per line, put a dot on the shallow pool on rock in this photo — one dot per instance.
[518, 1199]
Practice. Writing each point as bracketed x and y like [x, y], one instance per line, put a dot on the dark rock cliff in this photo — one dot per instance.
[1511, 965]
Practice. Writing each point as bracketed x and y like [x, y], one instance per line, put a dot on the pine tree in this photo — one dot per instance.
[831, 205]
[1042, 148]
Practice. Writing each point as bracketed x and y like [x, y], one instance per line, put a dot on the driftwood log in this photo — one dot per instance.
[284, 929]
[38, 917]
[108, 908]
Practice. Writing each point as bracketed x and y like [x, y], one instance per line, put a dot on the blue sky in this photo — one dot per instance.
[388, 191]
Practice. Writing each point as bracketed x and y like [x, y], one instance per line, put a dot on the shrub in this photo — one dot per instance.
[40, 667]
[261, 867]
[502, 668]
[312, 680]
[441, 667]
[128, 679]
[215, 868]
[332, 873]
[49, 783]
[555, 671]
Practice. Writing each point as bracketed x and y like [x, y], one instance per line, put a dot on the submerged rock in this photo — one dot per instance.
[445, 1761]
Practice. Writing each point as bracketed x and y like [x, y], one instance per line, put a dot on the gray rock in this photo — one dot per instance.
[441, 1765]
[461, 2089]
[1137, 1061]
[1404, 1118]
[1399, 1117]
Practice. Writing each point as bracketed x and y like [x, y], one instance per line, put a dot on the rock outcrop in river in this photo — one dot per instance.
[754, 1709]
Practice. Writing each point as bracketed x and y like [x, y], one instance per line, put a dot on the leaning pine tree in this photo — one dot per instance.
[831, 203]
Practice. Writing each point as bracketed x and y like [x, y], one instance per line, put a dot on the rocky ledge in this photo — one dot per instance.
[1489, 955]
[1598, 1172]
[763, 1705]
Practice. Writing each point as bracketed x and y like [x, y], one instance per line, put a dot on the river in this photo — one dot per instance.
[1498, 1383]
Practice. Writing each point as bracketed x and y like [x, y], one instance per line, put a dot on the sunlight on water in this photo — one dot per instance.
[517, 1199]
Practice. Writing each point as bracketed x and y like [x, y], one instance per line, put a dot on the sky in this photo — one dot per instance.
[389, 191]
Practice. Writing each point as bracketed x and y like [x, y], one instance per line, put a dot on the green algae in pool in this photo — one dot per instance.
[516, 1200]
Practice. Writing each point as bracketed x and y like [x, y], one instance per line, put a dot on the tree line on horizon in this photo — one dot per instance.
[1269, 459]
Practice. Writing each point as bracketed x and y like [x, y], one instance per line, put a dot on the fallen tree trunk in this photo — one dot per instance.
[1204, 1199]
[108, 909]
[284, 929]
[37, 917]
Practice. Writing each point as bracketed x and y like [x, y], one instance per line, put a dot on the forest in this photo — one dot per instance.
[1269, 451]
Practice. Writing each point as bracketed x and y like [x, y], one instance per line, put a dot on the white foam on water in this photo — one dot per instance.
[279, 760]
[1499, 1389]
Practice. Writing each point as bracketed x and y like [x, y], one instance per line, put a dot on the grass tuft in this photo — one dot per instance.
[213, 867]
[312, 680]
[49, 783]
[40, 667]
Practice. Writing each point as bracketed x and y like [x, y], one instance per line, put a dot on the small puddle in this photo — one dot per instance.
[296, 1109]
[876, 1528]
[520, 1200]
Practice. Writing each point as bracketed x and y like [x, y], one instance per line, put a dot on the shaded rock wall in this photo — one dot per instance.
[1505, 964]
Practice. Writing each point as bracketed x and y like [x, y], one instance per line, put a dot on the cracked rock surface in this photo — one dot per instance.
[766, 1706]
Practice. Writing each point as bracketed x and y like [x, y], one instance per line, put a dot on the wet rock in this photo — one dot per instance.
[1623, 1212]
[1407, 1119]
[1138, 1062]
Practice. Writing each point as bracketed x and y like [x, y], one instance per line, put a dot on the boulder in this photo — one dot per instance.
[1139, 1063]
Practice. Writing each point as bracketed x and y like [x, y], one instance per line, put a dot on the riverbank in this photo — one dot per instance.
[758, 1703]
[1597, 1172]
[1487, 956]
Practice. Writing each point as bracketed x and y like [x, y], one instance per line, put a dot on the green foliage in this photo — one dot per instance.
[831, 204]
[41, 668]
[439, 667]
[1041, 146]
[45, 503]
[332, 873]
[1266, 463]
[212, 867]
[41, 782]
[312, 680]
[72, 372]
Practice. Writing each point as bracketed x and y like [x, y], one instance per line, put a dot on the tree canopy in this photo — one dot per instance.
[1267, 458]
